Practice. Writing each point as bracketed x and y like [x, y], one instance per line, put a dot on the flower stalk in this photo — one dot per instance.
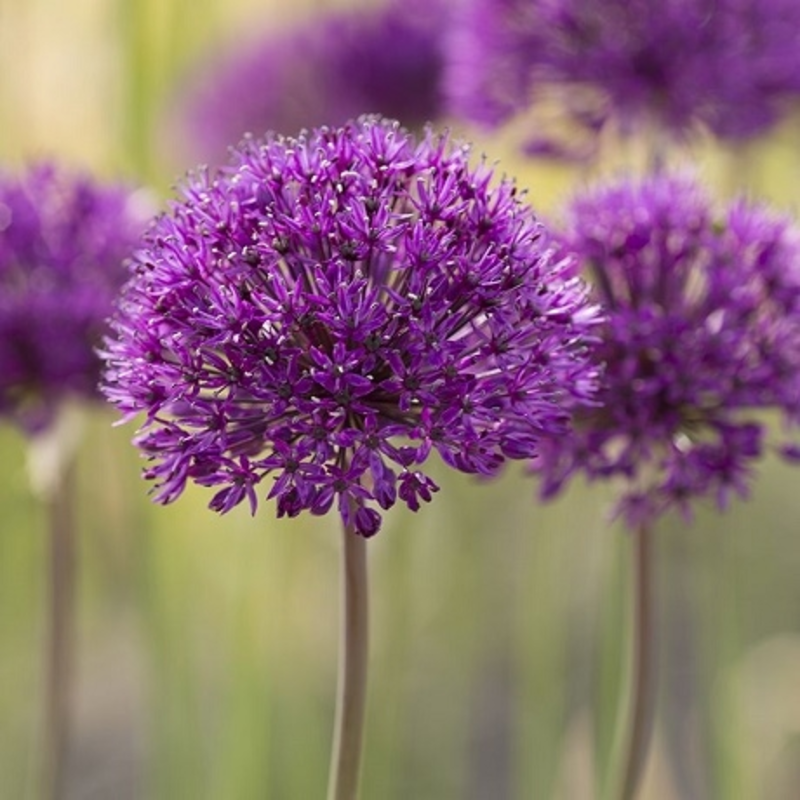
[635, 741]
[352, 682]
[60, 638]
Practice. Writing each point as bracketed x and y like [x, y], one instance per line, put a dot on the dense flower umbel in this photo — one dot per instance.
[63, 239]
[331, 308]
[326, 71]
[703, 333]
[728, 65]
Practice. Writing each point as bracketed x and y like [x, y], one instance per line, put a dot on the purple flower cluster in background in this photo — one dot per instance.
[730, 66]
[328, 70]
[63, 240]
[703, 331]
[332, 308]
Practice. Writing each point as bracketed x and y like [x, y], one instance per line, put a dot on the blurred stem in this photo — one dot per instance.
[352, 683]
[60, 633]
[659, 149]
[134, 19]
[635, 741]
[541, 661]
[742, 169]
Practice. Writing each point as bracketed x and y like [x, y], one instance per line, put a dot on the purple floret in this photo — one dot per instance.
[63, 240]
[730, 66]
[703, 335]
[325, 71]
[329, 309]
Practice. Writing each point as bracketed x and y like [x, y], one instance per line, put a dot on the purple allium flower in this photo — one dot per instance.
[703, 334]
[331, 308]
[325, 71]
[728, 65]
[63, 240]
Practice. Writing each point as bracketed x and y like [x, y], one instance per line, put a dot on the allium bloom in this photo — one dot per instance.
[325, 71]
[676, 65]
[63, 240]
[329, 309]
[702, 336]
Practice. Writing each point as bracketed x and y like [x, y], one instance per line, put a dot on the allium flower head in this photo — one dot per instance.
[702, 336]
[63, 240]
[329, 309]
[728, 65]
[327, 70]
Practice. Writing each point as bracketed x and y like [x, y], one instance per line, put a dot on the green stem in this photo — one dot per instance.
[352, 684]
[60, 636]
[641, 704]
[140, 55]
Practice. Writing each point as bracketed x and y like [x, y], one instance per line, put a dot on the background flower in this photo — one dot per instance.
[63, 240]
[331, 308]
[730, 66]
[326, 70]
[703, 334]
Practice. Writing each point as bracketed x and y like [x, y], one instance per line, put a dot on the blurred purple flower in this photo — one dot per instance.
[703, 332]
[63, 240]
[730, 66]
[331, 308]
[326, 71]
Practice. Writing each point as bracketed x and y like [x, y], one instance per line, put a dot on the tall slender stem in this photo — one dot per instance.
[641, 705]
[140, 68]
[60, 635]
[352, 683]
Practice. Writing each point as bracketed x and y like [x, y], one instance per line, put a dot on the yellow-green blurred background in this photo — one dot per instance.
[207, 645]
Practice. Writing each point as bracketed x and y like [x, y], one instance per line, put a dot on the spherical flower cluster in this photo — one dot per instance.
[328, 70]
[63, 240]
[703, 333]
[329, 309]
[730, 66]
